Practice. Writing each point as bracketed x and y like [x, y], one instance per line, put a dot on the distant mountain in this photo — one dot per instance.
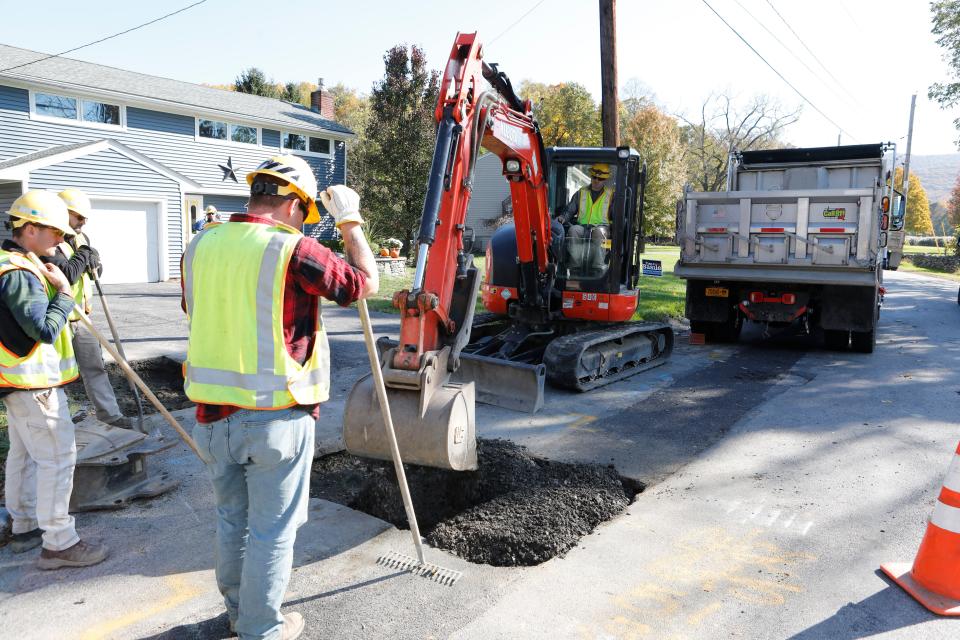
[937, 173]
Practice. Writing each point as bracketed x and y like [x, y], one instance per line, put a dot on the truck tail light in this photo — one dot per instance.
[788, 298]
[885, 204]
[756, 297]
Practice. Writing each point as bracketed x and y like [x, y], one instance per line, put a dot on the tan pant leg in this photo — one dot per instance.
[41, 420]
[96, 383]
[21, 471]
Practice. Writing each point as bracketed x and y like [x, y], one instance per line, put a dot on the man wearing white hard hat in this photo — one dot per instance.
[77, 259]
[36, 360]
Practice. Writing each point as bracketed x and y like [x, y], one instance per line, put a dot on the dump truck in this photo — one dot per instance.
[800, 235]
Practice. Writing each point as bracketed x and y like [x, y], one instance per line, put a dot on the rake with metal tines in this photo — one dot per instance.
[417, 566]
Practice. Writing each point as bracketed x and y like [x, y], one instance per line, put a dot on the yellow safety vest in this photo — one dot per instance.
[47, 365]
[594, 211]
[83, 287]
[234, 276]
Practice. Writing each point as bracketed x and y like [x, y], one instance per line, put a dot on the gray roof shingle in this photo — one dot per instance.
[77, 74]
[44, 153]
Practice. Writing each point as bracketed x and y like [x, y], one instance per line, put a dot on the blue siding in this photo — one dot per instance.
[9, 191]
[164, 137]
[270, 138]
[111, 173]
[158, 121]
[226, 204]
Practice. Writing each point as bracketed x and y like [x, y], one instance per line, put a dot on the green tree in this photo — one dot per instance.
[566, 112]
[953, 205]
[656, 135]
[946, 26]
[255, 82]
[392, 164]
[917, 221]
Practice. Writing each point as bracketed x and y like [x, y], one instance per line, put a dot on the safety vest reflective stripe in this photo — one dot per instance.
[258, 372]
[82, 288]
[47, 365]
[594, 211]
[946, 517]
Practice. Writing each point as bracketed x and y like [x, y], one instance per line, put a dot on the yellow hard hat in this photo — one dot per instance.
[600, 170]
[299, 178]
[210, 209]
[77, 201]
[43, 208]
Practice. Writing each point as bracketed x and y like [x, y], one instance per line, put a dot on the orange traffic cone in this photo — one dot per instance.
[934, 579]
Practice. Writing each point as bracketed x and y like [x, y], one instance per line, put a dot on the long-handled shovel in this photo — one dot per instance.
[131, 375]
[116, 340]
[396, 560]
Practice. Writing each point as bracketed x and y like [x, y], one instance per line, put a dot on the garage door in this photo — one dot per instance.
[126, 235]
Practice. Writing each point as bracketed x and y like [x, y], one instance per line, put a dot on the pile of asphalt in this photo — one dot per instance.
[163, 376]
[515, 510]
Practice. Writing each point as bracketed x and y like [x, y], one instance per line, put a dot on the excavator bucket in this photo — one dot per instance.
[433, 418]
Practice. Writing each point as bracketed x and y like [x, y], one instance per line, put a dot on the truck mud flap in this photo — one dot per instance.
[516, 386]
[113, 467]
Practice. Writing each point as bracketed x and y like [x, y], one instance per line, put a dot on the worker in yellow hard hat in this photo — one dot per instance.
[588, 216]
[36, 360]
[258, 368]
[210, 216]
[78, 259]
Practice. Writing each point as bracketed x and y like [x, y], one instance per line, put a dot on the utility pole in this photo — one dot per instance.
[906, 158]
[608, 73]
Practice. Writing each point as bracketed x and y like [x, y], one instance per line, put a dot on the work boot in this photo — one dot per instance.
[122, 422]
[21, 542]
[82, 554]
[292, 626]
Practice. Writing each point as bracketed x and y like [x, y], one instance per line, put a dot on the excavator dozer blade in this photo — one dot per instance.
[502, 383]
[436, 429]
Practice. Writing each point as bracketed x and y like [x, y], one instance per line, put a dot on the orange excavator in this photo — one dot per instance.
[558, 299]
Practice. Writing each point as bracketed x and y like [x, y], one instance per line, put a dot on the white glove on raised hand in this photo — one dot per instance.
[341, 202]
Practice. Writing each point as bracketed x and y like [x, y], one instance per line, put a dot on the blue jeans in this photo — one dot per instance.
[259, 463]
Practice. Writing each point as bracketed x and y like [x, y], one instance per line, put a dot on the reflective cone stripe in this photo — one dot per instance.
[934, 579]
[937, 565]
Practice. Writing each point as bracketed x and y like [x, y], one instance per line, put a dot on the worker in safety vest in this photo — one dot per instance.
[588, 214]
[77, 259]
[36, 359]
[258, 368]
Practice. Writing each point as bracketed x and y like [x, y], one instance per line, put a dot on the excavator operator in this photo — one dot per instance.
[589, 215]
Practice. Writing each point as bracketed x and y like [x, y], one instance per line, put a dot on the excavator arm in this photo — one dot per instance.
[433, 413]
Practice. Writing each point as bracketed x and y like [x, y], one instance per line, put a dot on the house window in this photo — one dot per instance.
[310, 145]
[93, 113]
[56, 106]
[227, 131]
[212, 129]
[246, 135]
[101, 112]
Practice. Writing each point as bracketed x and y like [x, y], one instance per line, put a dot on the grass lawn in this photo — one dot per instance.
[660, 298]
[909, 266]
[934, 251]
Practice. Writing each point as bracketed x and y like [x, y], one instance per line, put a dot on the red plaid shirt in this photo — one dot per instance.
[314, 271]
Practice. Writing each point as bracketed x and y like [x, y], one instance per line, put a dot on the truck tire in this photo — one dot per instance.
[863, 341]
[836, 340]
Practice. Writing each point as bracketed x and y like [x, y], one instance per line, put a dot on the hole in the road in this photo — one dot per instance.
[163, 376]
[515, 510]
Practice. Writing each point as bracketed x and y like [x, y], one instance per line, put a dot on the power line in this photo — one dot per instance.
[780, 75]
[784, 45]
[90, 44]
[812, 54]
[517, 21]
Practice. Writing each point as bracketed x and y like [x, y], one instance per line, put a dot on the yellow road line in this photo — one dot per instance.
[582, 422]
[182, 590]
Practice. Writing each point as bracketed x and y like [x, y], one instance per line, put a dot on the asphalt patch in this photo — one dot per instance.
[515, 510]
[163, 376]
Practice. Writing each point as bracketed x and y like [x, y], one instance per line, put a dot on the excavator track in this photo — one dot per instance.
[589, 359]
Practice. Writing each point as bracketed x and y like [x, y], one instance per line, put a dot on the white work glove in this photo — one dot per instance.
[341, 202]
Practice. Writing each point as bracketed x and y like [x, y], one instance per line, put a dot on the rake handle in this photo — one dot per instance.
[388, 425]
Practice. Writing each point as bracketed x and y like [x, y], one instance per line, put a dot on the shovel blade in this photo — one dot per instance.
[441, 435]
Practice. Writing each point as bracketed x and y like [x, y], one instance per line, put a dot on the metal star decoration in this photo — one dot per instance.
[228, 170]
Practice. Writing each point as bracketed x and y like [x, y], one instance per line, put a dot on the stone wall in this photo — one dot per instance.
[392, 266]
[949, 264]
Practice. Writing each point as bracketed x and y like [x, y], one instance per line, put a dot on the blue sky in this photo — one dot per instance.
[880, 51]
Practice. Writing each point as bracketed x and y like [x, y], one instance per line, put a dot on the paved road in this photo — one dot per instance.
[781, 476]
